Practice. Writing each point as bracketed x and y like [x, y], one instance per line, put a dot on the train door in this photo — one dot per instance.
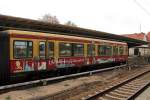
[91, 54]
[115, 52]
[46, 55]
[40, 59]
[50, 54]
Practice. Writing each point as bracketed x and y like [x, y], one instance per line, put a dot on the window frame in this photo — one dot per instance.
[106, 46]
[99, 53]
[110, 49]
[121, 48]
[73, 47]
[116, 52]
[39, 50]
[89, 55]
[126, 50]
[71, 54]
[48, 49]
[26, 51]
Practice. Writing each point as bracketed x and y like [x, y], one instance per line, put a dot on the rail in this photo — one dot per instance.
[120, 84]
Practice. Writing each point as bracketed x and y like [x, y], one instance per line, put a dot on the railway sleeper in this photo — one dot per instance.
[126, 90]
[114, 97]
[137, 82]
[130, 88]
[102, 98]
[108, 98]
[119, 94]
[123, 92]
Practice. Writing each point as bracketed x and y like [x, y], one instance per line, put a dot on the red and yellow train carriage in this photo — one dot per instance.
[25, 51]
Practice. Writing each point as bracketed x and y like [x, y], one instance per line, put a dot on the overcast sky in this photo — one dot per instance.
[114, 16]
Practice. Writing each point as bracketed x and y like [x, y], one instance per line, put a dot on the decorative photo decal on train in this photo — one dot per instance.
[70, 62]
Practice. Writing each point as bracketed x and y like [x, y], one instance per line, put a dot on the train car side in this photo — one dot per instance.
[33, 52]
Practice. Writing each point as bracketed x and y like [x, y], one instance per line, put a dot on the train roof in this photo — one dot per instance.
[20, 32]
[9, 22]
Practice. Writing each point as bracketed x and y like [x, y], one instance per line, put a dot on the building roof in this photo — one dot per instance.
[139, 36]
[148, 36]
[9, 22]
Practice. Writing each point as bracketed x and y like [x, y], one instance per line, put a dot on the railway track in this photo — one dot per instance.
[126, 90]
[30, 84]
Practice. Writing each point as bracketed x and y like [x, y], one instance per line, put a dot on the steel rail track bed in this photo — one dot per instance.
[126, 90]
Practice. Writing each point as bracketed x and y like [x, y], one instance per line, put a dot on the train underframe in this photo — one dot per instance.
[35, 75]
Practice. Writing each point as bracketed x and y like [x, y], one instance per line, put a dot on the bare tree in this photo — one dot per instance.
[69, 23]
[49, 19]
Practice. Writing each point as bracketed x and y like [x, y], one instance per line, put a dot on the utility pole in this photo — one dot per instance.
[140, 28]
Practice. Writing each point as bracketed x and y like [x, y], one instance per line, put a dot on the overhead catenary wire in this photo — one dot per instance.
[144, 9]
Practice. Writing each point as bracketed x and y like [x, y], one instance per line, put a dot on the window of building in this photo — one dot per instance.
[23, 49]
[50, 49]
[78, 49]
[65, 49]
[136, 51]
[42, 49]
[91, 50]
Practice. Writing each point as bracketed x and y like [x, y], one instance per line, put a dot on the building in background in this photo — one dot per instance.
[143, 50]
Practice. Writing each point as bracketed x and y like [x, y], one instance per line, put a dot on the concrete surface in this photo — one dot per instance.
[145, 95]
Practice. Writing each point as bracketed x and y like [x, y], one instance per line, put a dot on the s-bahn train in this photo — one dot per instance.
[26, 52]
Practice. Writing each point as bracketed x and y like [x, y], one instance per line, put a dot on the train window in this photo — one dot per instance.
[90, 50]
[124, 53]
[50, 49]
[115, 50]
[102, 50]
[109, 50]
[23, 49]
[29, 49]
[42, 49]
[65, 49]
[126, 50]
[105, 50]
[78, 49]
[121, 50]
